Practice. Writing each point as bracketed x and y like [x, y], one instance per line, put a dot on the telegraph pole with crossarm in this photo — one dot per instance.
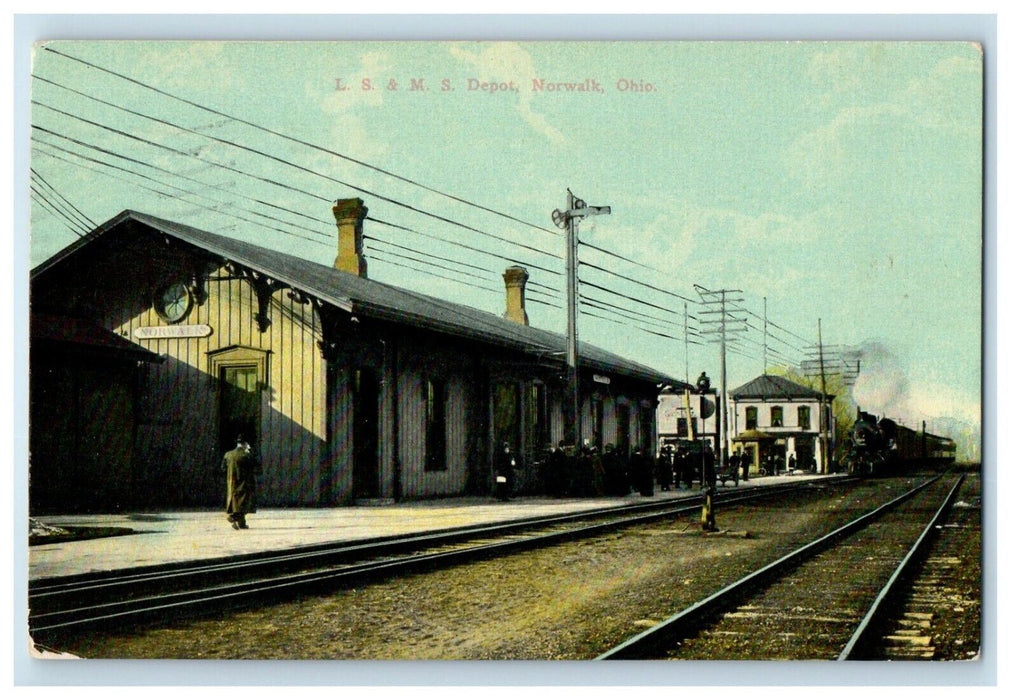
[576, 209]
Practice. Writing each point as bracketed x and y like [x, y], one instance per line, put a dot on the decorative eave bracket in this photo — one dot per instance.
[264, 287]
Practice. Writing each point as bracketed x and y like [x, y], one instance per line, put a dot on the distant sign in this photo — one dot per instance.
[158, 332]
[601, 379]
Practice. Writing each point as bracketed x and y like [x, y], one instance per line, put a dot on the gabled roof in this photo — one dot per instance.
[769, 386]
[372, 299]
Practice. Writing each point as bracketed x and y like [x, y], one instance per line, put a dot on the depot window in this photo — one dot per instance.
[597, 412]
[435, 394]
[538, 425]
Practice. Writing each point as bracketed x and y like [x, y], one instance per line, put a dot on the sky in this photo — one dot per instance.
[840, 181]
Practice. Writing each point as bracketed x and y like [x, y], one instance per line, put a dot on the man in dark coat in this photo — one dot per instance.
[710, 476]
[241, 488]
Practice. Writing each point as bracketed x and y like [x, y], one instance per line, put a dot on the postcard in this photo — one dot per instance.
[515, 350]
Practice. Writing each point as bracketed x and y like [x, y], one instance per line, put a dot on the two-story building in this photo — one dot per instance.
[685, 415]
[153, 344]
[773, 418]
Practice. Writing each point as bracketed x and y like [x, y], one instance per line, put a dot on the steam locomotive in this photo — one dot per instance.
[882, 447]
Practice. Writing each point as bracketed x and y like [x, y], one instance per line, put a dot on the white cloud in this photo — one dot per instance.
[504, 62]
[947, 98]
[176, 65]
[346, 125]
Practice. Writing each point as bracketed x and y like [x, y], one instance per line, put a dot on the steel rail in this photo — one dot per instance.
[685, 622]
[215, 594]
[42, 589]
[77, 583]
[862, 639]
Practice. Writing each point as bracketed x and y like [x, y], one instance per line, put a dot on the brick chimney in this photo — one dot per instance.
[350, 215]
[515, 294]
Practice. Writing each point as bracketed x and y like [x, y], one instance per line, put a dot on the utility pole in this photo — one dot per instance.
[823, 362]
[723, 412]
[685, 335]
[824, 418]
[576, 209]
[765, 336]
[722, 317]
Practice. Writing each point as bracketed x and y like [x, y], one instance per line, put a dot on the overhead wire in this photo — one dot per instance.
[162, 183]
[372, 247]
[381, 197]
[627, 296]
[44, 204]
[772, 323]
[297, 166]
[169, 195]
[432, 273]
[433, 265]
[774, 337]
[465, 246]
[262, 153]
[383, 241]
[77, 227]
[166, 171]
[293, 139]
[80, 214]
[631, 312]
[583, 263]
[611, 320]
[115, 154]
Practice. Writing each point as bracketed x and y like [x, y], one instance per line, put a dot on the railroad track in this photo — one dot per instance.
[935, 614]
[150, 595]
[819, 601]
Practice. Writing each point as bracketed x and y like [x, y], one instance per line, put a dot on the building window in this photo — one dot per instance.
[622, 429]
[647, 429]
[751, 420]
[538, 425]
[804, 417]
[685, 429]
[434, 449]
[777, 417]
[240, 374]
[597, 413]
[239, 404]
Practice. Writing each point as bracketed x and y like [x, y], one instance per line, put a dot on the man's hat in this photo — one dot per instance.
[240, 438]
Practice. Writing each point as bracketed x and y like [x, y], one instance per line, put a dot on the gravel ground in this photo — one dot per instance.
[570, 601]
[812, 611]
[946, 592]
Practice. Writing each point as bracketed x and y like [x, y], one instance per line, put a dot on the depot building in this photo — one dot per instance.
[154, 344]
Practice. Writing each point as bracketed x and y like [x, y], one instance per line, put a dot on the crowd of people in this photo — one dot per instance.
[589, 471]
[563, 471]
[611, 471]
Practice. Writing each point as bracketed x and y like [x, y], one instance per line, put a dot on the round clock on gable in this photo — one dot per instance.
[173, 302]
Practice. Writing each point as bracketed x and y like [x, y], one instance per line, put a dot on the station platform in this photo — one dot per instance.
[175, 536]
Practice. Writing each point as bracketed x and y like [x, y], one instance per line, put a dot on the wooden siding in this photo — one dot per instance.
[178, 428]
[556, 418]
[416, 366]
[337, 478]
[306, 405]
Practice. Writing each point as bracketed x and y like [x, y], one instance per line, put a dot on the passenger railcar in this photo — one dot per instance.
[880, 447]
